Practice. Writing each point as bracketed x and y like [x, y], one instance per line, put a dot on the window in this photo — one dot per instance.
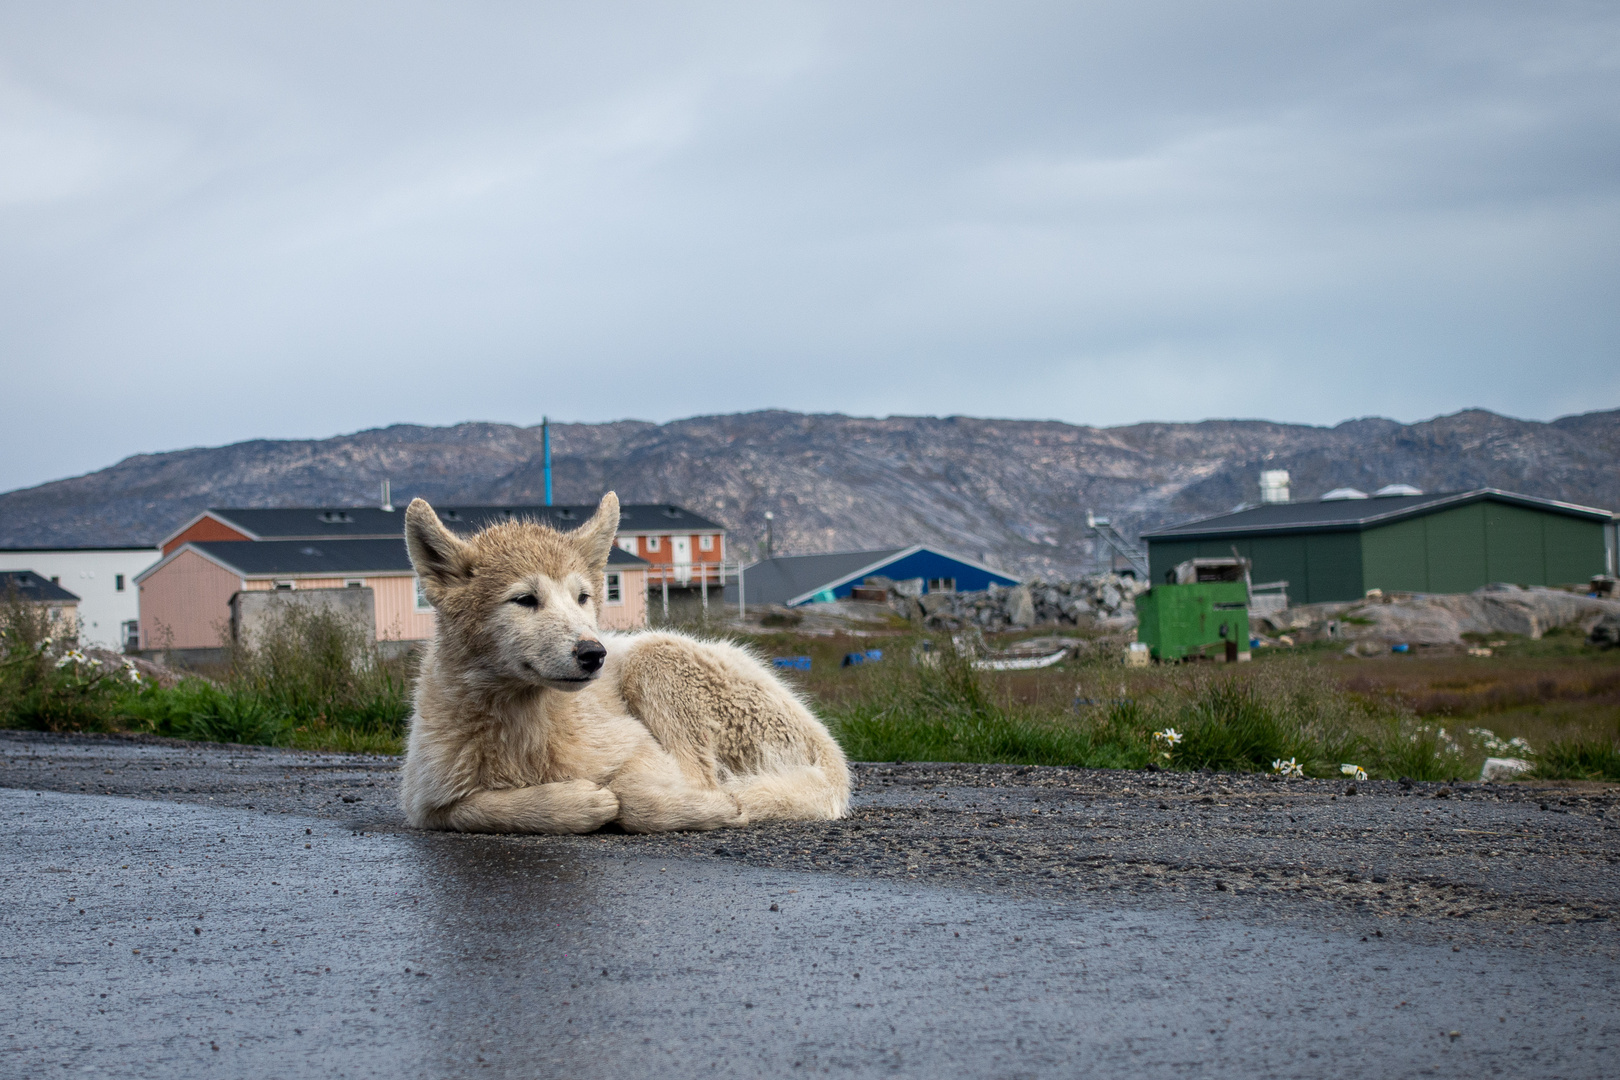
[283, 586]
[615, 590]
[941, 584]
[56, 579]
[355, 583]
[421, 597]
[118, 583]
[705, 543]
[653, 542]
[628, 543]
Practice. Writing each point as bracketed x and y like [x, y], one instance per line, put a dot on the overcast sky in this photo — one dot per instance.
[227, 221]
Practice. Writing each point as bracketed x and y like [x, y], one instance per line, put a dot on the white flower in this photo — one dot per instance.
[1287, 768]
[72, 656]
[1169, 735]
[132, 673]
[1354, 770]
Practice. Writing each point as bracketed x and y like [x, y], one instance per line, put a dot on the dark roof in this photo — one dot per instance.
[294, 558]
[1353, 514]
[31, 587]
[778, 580]
[372, 522]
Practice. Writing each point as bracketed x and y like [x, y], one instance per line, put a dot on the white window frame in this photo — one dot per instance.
[706, 542]
[613, 589]
[283, 585]
[354, 583]
[627, 543]
[421, 602]
[942, 584]
[654, 543]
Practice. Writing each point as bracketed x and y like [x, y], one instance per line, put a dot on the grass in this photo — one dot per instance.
[313, 681]
[310, 680]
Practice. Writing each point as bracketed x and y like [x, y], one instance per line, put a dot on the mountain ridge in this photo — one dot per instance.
[1011, 492]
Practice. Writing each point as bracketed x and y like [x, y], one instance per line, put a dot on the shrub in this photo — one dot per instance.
[1580, 759]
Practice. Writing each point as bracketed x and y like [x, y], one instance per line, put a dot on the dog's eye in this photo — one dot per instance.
[528, 600]
[584, 598]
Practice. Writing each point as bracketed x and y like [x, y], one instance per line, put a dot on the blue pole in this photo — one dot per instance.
[545, 439]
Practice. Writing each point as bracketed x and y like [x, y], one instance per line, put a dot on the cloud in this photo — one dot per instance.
[292, 220]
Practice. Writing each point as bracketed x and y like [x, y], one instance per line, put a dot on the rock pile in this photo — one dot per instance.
[1107, 601]
[1443, 619]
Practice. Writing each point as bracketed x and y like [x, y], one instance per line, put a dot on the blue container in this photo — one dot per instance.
[1400, 648]
[792, 663]
[874, 654]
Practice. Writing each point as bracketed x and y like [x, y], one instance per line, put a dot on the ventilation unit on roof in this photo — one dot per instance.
[1274, 486]
[1340, 494]
[1396, 489]
[670, 511]
[565, 514]
[335, 517]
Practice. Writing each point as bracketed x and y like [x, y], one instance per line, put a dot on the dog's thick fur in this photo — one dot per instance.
[514, 733]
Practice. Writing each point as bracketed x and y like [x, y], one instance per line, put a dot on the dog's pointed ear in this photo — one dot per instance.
[440, 557]
[595, 537]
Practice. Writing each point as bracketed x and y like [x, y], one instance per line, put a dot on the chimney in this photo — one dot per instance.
[1274, 486]
[387, 497]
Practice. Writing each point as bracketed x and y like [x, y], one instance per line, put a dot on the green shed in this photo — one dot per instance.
[1338, 549]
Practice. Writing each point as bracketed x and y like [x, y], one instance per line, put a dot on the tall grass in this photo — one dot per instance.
[1242, 720]
[1580, 759]
[311, 677]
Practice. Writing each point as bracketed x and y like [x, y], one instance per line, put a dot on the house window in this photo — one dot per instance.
[283, 586]
[354, 583]
[118, 583]
[421, 597]
[941, 584]
[615, 590]
[705, 543]
[628, 543]
[653, 542]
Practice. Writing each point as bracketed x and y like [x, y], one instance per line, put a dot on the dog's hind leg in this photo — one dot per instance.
[792, 793]
[656, 795]
[568, 806]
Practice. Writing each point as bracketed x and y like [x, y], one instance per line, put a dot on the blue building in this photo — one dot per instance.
[803, 579]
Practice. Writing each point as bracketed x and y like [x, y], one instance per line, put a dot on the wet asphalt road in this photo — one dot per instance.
[179, 910]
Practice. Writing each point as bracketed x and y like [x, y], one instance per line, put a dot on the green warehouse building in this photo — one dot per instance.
[1341, 547]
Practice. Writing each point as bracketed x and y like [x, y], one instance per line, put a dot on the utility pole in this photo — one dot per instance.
[545, 443]
[769, 517]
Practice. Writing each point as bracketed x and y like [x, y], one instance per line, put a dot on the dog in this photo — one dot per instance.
[528, 719]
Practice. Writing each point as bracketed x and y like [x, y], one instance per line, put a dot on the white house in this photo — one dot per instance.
[102, 578]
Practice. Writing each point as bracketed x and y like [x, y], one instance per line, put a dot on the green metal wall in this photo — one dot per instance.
[1449, 551]
[1317, 566]
[1460, 549]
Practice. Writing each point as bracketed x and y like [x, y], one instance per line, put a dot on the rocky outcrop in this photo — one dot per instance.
[1445, 619]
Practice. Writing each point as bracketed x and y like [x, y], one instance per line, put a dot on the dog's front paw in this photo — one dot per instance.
[597, 805]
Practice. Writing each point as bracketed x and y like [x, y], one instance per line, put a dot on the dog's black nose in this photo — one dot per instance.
[590, 655]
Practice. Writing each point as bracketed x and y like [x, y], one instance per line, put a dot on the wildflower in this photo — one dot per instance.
[131, 673]
[1354, 770]
[72, 656]
[1169, 736]
[1287, 768]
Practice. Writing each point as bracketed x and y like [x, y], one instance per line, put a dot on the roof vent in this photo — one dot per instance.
[1274, 486]
[335, 517]
[1396, 489]
[309, 551]
[451, 515]
[565, 514]
[1339, 494]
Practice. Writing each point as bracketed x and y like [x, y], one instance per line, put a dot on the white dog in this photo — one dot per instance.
[530, 720]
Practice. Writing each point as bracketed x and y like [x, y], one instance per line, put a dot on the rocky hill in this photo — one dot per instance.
[1012, 492]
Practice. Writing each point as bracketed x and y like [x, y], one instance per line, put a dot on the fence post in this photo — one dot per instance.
[742, 593]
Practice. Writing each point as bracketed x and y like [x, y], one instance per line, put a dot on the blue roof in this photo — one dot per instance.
[800, 579]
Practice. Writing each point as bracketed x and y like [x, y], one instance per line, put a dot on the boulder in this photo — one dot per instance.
[1020, 607]
[1504, 768]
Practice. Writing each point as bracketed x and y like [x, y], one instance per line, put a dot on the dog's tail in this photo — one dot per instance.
[797, 790]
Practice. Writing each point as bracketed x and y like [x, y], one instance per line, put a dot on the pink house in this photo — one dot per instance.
[185, 599]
